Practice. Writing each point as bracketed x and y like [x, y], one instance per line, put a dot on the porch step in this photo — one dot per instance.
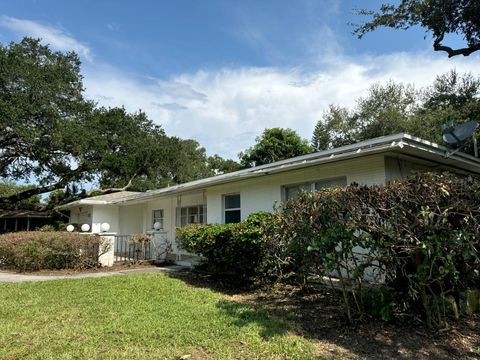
[186, 263]
[187, 260]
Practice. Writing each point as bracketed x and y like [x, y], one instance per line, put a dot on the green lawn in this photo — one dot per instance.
[147, 316]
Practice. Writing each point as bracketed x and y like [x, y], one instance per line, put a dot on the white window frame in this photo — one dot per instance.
[225, 210]
[311, 185]
[201, 215]
[160, 219]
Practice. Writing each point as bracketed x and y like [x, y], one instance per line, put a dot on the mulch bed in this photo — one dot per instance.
[317, 314]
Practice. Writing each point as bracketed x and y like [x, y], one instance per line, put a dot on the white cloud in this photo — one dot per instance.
[226, 109]
[57, 37]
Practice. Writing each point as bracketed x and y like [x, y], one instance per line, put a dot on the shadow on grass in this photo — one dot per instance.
[247, 314]
[317, 314]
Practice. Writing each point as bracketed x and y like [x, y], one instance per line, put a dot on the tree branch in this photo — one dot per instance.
[113, 190]
[437, 46]
[31, 192]
[12, 199]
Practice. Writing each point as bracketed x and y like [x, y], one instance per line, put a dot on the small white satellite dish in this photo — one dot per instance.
[70, 228]
[457, 135]
[85, 227]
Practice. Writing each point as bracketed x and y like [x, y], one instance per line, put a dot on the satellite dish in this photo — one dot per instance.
[457, 135]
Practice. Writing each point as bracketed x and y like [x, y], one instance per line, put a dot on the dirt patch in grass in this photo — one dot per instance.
[116, 267]
[317, 314]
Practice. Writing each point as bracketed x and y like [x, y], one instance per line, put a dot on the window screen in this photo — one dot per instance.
[232, 208]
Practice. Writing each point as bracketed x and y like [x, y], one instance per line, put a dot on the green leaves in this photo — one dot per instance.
[229, 249]
[420, 236]
[40, 93]
[53, 136]
[273, 145]
[33, 250]
[439, 17]
[394, 108]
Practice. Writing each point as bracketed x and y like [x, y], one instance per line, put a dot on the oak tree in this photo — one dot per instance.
[438, 17]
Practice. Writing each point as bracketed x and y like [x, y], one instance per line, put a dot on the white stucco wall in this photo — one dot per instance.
[396, 168]
[256, 195]
[131, 219]
[81, 215]
[105, 214]
[169, 206]
[262, 193]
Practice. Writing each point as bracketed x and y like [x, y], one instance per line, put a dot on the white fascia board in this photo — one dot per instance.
[83, 202]
[424, 145]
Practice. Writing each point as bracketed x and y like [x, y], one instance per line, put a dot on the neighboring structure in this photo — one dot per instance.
[23, 220]
[232, 197]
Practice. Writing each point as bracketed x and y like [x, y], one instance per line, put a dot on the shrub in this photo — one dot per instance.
[419, 236]
[48, 228]
[33, 251]
[231, 249]
[57, 225]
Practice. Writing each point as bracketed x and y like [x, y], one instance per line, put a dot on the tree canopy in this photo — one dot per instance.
[8, 188]
[439, 17]
[40, 101]
[273, 145]
[394, 108]
[218, 165]
[52, 136]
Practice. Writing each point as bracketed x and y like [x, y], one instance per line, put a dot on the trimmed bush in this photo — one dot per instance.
[232, 249]
[418, 236]
[39, 250]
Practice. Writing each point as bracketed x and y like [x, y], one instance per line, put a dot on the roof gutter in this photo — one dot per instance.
[327, 157]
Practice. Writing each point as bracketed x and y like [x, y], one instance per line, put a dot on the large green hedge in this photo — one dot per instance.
[419, 237]
[39, 250]
[231, 249]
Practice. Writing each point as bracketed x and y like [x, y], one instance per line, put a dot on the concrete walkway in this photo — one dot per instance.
[6, 277]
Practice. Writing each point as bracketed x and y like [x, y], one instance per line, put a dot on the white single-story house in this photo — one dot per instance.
[232, 197]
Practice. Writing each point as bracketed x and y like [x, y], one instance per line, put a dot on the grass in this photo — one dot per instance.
[147, 316]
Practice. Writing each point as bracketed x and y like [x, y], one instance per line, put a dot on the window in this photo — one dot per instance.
[291, 191]
[337, 182]
[191, 215]
[158, 217]
[231, 206]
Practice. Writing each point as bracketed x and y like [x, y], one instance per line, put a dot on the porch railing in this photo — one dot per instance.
[126, 250]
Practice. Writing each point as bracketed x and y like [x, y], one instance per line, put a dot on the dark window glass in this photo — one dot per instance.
[292, 191]
[232, 216]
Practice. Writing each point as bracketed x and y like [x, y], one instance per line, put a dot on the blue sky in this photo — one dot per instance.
[222, 71]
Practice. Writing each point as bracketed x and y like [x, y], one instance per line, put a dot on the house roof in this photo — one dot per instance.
[398, 143]
[100, 199]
